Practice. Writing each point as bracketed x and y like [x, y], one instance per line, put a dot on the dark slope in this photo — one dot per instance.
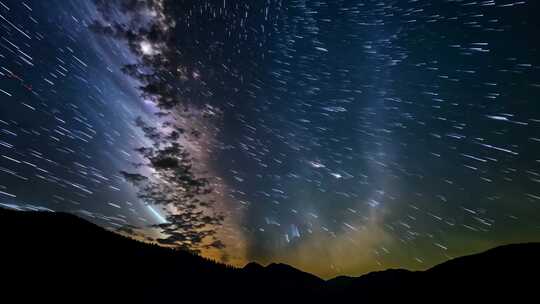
[509, 272]
[60, 256]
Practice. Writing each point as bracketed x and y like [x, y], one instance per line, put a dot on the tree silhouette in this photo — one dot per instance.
[172, 184]
[163, 76]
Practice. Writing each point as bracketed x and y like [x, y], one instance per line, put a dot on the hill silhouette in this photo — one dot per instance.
[59, 256]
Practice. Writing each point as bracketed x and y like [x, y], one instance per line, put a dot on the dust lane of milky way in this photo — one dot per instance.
[337, 136]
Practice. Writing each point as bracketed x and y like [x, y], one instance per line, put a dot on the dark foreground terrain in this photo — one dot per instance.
[60, 257]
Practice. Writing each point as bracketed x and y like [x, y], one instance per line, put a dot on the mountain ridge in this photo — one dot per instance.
[40, 244]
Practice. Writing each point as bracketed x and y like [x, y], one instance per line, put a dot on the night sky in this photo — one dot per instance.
[337, 136]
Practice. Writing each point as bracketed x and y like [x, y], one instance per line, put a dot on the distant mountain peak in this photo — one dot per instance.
[253, 266]
[77, 251]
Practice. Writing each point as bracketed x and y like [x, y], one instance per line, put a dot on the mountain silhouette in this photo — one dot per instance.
[60, 257]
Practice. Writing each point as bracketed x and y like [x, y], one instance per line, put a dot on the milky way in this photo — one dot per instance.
[338, 136]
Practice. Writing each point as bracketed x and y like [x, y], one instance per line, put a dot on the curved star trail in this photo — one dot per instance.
[338, 136]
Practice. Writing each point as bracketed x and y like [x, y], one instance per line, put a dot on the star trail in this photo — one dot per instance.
[339, 136]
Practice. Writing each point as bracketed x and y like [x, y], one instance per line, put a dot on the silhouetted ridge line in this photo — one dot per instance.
[59, 256]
